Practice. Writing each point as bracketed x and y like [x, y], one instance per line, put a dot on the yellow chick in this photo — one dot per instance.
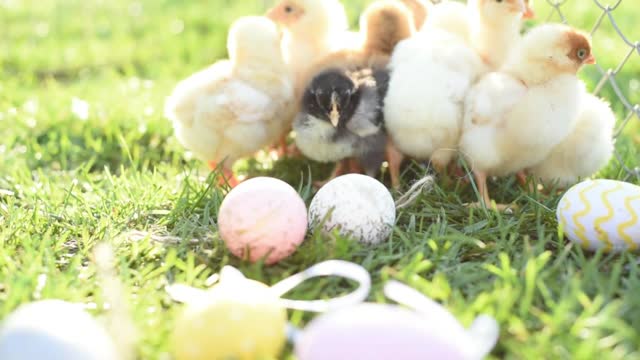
[431, 74]
[483, 24]
[317, 28]
[588, 148]
[514, 118]
[497, 35]
[383, 24]
[312, 30]
[238, 106]
[451, 16]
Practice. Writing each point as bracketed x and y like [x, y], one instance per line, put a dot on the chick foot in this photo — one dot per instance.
[394, 158]
[493, 206]
[486, 202]
[282, 149]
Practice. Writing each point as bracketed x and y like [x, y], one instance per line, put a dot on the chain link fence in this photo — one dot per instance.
[608, 76]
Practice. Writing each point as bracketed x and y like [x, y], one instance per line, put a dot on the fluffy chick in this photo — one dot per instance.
[494, 32]
[491, 27]
[514, 118]
[430, 76]
[588, 148]
[452, 16]
[341, 118]
[383, 25]
[312, 30]
[238, 106]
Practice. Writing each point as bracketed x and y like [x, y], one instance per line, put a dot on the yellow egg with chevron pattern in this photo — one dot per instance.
[602, 214]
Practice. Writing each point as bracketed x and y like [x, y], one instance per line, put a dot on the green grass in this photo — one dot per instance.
[68, 184]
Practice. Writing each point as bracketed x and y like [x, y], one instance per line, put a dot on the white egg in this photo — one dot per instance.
[54, 330]
[600, 214]
[357, 205]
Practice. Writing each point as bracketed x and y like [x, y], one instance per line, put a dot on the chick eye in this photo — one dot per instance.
[582, 53]
[288, 9]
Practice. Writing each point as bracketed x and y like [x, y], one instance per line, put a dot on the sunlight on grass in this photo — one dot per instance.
[87, 156]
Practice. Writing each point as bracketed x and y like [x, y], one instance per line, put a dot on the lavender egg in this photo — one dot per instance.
[380, 332]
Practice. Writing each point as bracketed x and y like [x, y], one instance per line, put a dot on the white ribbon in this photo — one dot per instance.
[481, 337]
[344, 269]
[337, 268]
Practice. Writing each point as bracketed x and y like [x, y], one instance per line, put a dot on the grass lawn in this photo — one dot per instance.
[72, 176]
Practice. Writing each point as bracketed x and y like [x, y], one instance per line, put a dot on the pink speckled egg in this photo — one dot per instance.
[263, 217]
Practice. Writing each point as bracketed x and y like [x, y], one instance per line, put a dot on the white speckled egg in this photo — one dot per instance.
[600, 214]
[357, 205]
[54, 330]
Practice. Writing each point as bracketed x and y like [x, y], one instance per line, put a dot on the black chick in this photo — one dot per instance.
[341, 117]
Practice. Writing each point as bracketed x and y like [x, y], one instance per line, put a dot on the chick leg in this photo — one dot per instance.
[441, 160]
[354, 167]
[457, 171]
[342, 168]
[292, 150]
[394, 157]
[483, 189]
[287, 149]
[279, 149]
[228, 177]
[283, 148]
[481, 181]
[522, 180]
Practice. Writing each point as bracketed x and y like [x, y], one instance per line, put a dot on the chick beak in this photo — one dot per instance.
[334, 115]
[591, 60]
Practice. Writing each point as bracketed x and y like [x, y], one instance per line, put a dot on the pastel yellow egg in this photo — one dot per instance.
[602, 214]
[236, 320]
